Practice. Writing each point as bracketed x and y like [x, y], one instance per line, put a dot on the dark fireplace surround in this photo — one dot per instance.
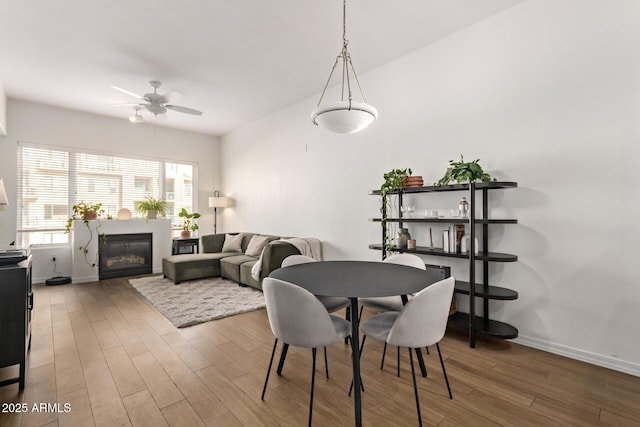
[126, 255]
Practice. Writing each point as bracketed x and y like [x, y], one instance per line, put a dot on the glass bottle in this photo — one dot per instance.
[463, 208]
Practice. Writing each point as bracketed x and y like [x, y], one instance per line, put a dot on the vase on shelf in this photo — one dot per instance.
[185, 234]
[403, 237]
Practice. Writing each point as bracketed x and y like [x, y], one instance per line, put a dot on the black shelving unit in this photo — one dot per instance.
[475, 325]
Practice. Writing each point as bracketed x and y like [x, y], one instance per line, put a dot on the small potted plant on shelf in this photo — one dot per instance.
[464, 172]
[188, 225]
[87, 212]
[84, 211]
[152, 207]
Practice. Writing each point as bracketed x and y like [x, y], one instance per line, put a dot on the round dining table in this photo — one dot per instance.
[353, 280]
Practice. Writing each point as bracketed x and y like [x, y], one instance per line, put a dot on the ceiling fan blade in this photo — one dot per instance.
[129, 93]
[134, 104]
[184, 110]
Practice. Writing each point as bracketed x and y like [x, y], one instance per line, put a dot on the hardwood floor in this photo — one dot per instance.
[105, 352]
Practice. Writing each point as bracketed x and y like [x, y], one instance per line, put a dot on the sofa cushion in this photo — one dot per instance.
[245, 275]
[256, 245]
[248, 236]
[230, 266]
[196, 266]
[232, 243]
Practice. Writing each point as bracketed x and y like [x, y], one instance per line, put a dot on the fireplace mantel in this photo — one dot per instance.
[83, 272]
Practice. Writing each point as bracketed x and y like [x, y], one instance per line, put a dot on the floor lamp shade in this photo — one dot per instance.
[219, 202]
[3, 194]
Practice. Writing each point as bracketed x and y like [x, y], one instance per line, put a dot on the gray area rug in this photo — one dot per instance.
[198, 301]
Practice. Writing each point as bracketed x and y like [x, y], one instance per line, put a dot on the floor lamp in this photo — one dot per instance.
[216, 202]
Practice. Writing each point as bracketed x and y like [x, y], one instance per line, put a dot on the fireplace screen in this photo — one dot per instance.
[125, 255]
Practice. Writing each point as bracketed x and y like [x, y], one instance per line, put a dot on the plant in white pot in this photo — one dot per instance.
[152, 207]
[188, 225]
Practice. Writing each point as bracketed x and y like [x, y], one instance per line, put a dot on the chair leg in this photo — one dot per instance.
[313, 381]
[384, 352]
[398, 361]
[326, 364]
[283, 356]
[444, 371]
[415, 388]
[273, 353]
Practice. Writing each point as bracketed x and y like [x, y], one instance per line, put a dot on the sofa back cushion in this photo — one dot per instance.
[256, 244]
[248, 236]
[212, 243]
[232, 243]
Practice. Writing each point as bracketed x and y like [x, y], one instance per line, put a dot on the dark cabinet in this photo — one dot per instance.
[16, 303]
[478, 227]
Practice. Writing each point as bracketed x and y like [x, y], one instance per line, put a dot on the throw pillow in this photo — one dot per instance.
[232, 243]
[256, 245]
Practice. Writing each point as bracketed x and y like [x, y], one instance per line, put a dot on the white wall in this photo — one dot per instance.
[44, 124]
[546, 94]
[3, 111]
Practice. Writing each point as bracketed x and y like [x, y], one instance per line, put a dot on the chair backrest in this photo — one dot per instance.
[423, 320]
[406, 259]
[296, 316]
[296, 259]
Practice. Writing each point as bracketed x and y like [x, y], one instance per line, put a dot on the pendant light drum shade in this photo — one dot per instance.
[340, 117]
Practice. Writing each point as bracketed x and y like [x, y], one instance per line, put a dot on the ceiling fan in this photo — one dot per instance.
[156, 103]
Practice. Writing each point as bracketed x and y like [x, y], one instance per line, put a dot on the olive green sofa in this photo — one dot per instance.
[236, 266]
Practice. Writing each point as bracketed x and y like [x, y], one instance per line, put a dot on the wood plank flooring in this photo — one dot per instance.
[103, 350]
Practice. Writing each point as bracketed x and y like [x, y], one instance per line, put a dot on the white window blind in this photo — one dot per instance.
[51, 180]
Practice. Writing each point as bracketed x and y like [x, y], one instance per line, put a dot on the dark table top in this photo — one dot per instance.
[363, 279]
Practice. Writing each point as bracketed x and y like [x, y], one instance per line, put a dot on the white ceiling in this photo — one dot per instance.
[234, 60]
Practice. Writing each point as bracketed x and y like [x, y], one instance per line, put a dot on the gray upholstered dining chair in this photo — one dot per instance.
[297, 318]
[332, 304]
[422, 322]
[392, 303]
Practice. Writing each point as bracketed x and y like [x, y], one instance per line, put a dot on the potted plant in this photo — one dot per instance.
[464, 172]
[188, 225]
[87, 212]
[152, 207]
[394, 182]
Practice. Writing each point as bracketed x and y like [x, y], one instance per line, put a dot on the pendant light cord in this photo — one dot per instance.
[346, 63]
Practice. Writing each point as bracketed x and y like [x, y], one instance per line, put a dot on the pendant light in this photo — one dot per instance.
[345, 115]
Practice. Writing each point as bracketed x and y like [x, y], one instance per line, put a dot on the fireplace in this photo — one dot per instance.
[125, 255]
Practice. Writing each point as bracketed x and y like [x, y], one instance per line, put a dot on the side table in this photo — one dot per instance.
[190, 245]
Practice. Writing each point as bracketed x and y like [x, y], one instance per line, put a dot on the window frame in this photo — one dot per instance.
[72, 175]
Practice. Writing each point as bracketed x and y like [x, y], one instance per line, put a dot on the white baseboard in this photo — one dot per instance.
[584, 356]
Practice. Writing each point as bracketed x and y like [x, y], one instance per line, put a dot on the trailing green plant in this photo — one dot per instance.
[151, 204]
[188, 224]
[393, 184]
[86, 212]
[464, 172]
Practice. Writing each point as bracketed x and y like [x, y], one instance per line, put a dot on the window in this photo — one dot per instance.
[51, 180]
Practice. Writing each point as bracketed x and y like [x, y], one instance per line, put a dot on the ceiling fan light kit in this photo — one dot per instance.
[136, 117]
[344, 116]
[154, 103]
